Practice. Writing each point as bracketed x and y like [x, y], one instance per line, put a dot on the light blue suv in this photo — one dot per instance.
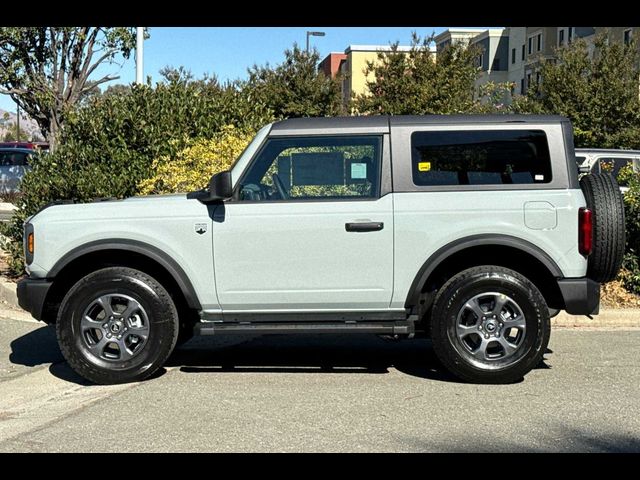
[472, 230]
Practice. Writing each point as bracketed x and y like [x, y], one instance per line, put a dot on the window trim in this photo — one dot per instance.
[384, 184]
[561, 173]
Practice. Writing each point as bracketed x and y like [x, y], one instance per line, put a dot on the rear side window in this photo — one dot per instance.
[480, 157]
[13, 159]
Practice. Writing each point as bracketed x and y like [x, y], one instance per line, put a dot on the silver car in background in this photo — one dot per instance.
[591, 160]
[14, 163]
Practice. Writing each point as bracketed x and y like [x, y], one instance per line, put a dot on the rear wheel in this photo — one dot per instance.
[490, 325]
[117, 325]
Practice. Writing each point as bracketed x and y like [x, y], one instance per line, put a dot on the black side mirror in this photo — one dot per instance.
[219, 189]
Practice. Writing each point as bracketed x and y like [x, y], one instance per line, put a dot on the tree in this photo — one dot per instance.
[415, 82]
[296, 88]
[47, 70]
[597, 91]
[11, 135]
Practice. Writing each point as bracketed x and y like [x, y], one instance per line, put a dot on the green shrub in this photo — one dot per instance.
[630, 275]
[108, 146]
[192, 167]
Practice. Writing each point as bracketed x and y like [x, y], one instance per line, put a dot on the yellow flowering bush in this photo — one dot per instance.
[193, 166]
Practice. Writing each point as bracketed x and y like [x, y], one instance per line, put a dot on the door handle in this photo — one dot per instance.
[363, 226]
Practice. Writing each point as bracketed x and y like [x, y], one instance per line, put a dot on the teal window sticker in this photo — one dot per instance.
[358, 171]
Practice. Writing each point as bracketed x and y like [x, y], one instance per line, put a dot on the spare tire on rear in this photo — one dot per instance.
[604, 199]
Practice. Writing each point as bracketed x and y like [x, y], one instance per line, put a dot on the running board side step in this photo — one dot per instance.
[263, 328]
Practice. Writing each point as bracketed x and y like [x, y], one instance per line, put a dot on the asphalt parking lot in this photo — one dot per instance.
[323, 393]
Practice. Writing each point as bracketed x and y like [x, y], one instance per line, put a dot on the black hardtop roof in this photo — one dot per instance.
[378, 121]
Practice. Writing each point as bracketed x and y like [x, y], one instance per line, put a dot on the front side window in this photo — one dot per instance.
[482, 157]
[315, 167]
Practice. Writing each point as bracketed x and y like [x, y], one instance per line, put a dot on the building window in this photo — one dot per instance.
[530, 49]
[626, 36]
[513, 55]
[570, 36]
[523, 53]
[561, 37]
[537, 77]
[539, 42]
[528, 80]
[522, 86]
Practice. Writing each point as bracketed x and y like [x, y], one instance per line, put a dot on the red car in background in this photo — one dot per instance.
[42, 146]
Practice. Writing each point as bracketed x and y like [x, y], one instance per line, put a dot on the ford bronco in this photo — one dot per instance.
[471, 230]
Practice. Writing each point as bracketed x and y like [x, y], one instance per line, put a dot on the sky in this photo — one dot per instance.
[228, 51]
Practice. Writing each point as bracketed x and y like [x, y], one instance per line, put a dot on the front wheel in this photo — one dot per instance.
[490, 325]
[117, 325]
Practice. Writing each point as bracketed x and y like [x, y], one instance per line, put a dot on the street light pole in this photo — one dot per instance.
[313, 34]
[18, 122]
[139, 54]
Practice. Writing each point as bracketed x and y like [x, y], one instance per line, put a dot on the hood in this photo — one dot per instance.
[147, 206]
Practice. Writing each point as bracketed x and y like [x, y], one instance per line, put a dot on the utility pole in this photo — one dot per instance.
[139, 55]
[18, 123]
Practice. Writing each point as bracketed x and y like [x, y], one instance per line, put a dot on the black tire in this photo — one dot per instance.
[160, 312]
[457, 357]
[602, 193]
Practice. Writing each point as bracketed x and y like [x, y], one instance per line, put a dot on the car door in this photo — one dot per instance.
[309, 228]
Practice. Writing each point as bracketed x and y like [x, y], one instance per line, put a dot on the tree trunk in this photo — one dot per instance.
[52, 134]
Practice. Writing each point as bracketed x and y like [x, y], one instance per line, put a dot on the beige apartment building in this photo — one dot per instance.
[351, 66]
[511, 54]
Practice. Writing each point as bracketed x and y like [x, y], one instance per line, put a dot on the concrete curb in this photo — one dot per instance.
[614, 317]
[8, 293]
[608, 318]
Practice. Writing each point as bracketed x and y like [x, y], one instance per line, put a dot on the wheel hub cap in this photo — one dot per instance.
[114, 328]
[490, 327]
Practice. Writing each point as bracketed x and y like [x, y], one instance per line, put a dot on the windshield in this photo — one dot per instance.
[242, 161]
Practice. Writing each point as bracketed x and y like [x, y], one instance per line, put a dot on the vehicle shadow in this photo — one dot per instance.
[313, 354]
[302, 353]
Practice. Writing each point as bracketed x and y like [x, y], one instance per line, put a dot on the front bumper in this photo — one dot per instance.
[32, 294]
[581, 295]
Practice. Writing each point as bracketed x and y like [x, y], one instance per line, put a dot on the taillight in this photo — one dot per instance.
[585, 231]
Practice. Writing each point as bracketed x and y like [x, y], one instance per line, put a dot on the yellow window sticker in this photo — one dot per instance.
[424, 166]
